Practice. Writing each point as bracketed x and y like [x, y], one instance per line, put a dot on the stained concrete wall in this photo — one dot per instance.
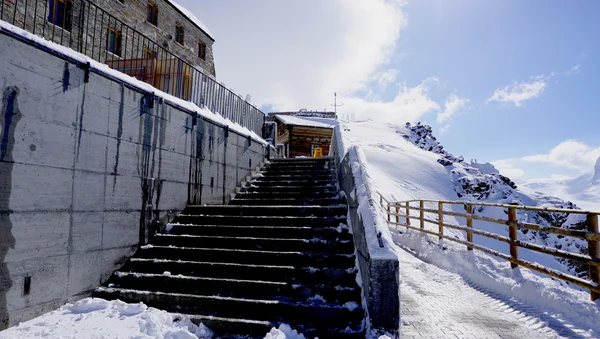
[86, 169]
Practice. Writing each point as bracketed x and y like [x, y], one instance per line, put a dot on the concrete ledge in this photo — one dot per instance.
[377, 262]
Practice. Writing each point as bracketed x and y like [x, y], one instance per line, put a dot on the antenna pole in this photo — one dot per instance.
[335, 104]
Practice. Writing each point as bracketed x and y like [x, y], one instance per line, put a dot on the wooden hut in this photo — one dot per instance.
[302, 135]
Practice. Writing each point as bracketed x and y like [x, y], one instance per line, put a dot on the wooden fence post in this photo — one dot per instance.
[512, 233]
[440, 220]
[594, 252]
[408, 213]
[389, 211]
[397, 214]
[422, 213]
[469, 225]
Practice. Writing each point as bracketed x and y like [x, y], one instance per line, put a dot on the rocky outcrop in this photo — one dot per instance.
[483, 182]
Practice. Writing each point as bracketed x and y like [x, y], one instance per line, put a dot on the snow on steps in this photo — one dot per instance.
[242, 269]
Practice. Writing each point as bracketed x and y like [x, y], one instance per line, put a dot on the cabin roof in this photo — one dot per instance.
[307, 122]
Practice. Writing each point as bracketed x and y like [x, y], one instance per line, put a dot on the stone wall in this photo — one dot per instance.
[86, 168]
[89, 26]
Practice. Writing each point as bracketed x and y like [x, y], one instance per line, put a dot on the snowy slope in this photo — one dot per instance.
[409, 163]
[583, 190]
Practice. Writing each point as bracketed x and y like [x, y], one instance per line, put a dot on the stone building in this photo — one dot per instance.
[118, 30]
[168, 24]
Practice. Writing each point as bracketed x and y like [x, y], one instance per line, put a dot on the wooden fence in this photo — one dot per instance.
[395, 210]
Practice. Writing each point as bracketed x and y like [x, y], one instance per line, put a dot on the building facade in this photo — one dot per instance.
[111, 30]
[169, 25]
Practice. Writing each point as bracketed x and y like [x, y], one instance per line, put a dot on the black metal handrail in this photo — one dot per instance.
[88, 29]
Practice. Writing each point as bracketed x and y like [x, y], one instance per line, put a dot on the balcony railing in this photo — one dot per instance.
[88, 29]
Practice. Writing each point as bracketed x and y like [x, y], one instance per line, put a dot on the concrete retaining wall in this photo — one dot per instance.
[377, 262]
[86, 169]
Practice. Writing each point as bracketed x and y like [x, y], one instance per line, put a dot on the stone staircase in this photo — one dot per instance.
[280, 252]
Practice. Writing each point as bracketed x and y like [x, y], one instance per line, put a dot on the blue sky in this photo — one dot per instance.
[509, 82]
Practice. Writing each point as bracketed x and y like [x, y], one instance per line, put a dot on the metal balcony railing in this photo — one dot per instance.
[90, 30]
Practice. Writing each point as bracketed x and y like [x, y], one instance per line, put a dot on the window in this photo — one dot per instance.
[202, 50]
[149, 54]
[60, 13]
[152, 13]
[179, 34]
[113, 41]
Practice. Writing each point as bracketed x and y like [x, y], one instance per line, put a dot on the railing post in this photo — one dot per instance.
[397, 214]
[512, 233]
[422, 213]
[407, 213]
[594, 252]
[389, 207]
[440, 220]
[469, 208]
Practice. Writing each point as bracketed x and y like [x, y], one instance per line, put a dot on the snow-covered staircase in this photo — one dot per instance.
[279, 253]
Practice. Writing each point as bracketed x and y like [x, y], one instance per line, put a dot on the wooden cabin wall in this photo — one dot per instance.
[303, 137]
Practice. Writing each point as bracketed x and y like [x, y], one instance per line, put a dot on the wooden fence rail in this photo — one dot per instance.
[592, 236]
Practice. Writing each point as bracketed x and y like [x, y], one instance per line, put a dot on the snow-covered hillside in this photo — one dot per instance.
[428, 171]
[583, 190]
[408, 163]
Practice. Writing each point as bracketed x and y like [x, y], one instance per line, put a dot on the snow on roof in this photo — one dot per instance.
[101, 68]
[194, 19]
[309, 122]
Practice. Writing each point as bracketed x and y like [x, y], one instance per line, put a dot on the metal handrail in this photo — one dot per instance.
[91, 30]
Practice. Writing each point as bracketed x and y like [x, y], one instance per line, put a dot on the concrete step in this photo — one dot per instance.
[287, 189]
[306, 171]
[301, 160]
[310, 221]
[308, 183]
[236, 288]
[262, 195]
[314, 245]
[254, 257]
[301, 201]
[233, 328]
[248, 329]
[310, 276]
[257, 210]
[296, 166]
[294, 176]
[323, 316]
[290, 232]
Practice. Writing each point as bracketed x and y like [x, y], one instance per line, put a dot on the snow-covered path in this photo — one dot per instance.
[440, 304]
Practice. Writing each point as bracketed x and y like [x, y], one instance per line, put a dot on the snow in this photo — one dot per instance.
[403, 165]
[96, 318]
[306, 121]
[284, 332]
[583, 190]
[131, 81]
[192, 17]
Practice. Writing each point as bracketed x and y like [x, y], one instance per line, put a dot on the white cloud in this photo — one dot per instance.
[573, 70]
[296, 54]
[409, 104]
[571, 156]
[507, 168]
[451, 106]
[387, 77]
[516, 93]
